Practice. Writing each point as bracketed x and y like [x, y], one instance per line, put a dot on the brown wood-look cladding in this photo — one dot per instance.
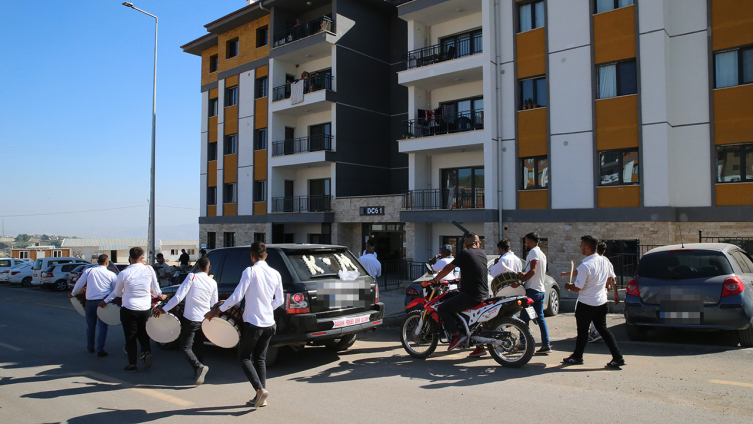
[614, 35]
[733, 114]
[247, 50]
[734, 194]
[531, 53]
[619, 197]
[731, 23]
[532, 132]
[617, 122]
[533, 199]
[260, 165]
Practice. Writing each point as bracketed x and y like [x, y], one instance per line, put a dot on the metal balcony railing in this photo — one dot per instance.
[443, 52]
[312, 143]
[444, 124]
[296, 204]
[303, 30]
[310, 85]
[446, 198]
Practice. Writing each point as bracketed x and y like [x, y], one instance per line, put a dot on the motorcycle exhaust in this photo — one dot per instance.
[486, 340]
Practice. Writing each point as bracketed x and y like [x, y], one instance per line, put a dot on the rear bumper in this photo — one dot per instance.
[713, 317]
[303, 328]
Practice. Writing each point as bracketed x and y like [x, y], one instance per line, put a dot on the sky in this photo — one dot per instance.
[76, 111]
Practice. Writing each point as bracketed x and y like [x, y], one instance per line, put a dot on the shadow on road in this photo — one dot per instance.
[141, 416]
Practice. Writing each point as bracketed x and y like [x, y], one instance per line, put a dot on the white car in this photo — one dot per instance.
[44, 263]
[56, 276]
[21, 274]
[5, 265]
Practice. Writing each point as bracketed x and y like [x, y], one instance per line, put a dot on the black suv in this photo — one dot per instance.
[319, 307]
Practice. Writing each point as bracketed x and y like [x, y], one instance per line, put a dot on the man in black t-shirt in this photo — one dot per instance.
[184, 260]
[474, 287]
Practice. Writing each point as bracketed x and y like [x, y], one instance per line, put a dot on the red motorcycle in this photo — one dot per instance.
[491, 323]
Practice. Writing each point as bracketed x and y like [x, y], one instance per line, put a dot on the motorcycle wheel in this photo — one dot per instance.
[423, 345]
[508, 354]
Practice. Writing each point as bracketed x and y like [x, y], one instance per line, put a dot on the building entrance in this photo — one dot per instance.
[389, 240]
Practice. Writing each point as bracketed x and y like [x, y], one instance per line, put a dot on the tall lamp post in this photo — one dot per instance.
[151, 242]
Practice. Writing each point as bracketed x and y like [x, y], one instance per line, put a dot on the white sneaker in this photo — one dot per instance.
[260, 399]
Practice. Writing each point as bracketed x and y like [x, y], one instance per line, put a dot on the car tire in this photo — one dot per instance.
[341, 344]
[60, 285]
[553, 306]
[636, 333]
[26, 282]
[746, 337]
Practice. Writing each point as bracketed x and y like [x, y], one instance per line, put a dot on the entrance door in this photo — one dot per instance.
[319, 137]
[289, 144]
[388, 239]
[319, 195]
[288, 201]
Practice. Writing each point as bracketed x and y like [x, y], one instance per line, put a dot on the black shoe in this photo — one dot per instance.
[101, 354]
[90, 349]
[130, 368]
[572, 361]
[147, 357]
[545, 350]
[616, 363]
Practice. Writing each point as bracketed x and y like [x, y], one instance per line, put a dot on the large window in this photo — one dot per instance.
[230, 146]
[463, 188]
[213, 63]
[231, 96]
[461, 45]
[607, 5]
[229, 194]
[260, 237]
[532, 16]
[260, 139]
[733, 67]
[229, 239]
[212, 242]
[533, 93]
[213, 107]
[617, 79]
[262, 36]
[24, 254]
[231, 48]
[211, 151]
[535, 173]
[261, 88]
[618, 167]
[735, 163]
[211, 196]
[260, 191]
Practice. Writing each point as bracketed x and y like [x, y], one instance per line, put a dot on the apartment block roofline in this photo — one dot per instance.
[240, 17]
[200, 44]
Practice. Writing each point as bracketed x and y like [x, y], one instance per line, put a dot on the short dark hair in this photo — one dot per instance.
[601, 248]
[160, 255]
[258, 249]
[371, 242]
[504, 244]
[534, 237]
[202, 264]
[102, 259]
[591, 241]
[470, 238]
[135, 253]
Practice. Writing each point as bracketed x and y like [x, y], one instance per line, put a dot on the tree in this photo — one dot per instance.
[23, 237]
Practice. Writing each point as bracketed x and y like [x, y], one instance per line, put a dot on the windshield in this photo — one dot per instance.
[37, 265]
[324, 264]
[684, 264]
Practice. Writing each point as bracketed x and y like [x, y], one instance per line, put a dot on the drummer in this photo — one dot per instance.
[99, 282]
[136, 284]
[200, 292]
[261, 286]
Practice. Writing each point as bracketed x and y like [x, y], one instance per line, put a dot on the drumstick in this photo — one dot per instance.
[572, 267]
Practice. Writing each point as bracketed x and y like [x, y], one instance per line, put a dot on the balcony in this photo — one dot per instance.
[299, 32]
[443, 124]
[442, 52]
[313, 143]
[298, 204]
[447, 198]
[311, 85]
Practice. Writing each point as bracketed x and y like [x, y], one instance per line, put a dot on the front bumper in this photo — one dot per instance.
[724, 316]
[303, 328]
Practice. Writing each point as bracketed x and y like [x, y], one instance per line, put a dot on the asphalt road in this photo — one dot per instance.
[47, 376]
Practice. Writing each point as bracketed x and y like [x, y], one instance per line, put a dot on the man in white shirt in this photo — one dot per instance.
[442, 260]
[507, 262]
[137, 284]
[261, 286]
[533, 280]
[592, 303]
[163, 270]
[99, 282]
[200, 292]
[370, 261]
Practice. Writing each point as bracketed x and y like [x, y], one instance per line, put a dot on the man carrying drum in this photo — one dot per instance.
[261, 286]
[200, 292]
[136, 284]
[99, 282]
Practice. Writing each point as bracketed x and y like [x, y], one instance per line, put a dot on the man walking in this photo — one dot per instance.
[533, 281]
[592, 303]
[99, 282]
[370, 261]
[184, 260]
[200, 292]
[261, 287]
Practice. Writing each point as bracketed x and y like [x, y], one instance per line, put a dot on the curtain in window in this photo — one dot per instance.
[607, 81]
[543, 177]
[623, 3]
[749, 163]
[726, 69]
[528, 173]
[630, 167]
[747, 66]
[525, 18]
[540, 15]
[728, 165]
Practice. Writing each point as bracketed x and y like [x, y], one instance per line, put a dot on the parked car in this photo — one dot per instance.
[699, 286]
[21, 274]
[56, 276]
[121, 267]
[5, 265]
[76, 273]
[317, 302]
[551, 300]
[44, 263]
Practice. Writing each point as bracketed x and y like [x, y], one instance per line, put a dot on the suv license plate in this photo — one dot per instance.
[345, 322]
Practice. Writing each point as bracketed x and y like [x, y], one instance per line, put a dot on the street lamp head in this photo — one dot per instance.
[127, 4]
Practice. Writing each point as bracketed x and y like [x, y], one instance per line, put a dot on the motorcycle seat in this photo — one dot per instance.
[485, 303]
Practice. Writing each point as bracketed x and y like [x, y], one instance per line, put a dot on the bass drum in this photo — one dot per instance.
[79, 302]
[224, 330]
[164, 328]
[501, 285]
[110, 314]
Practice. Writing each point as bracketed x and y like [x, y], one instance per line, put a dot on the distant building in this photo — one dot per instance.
[171, 249]
[35, 252]
[116, 248]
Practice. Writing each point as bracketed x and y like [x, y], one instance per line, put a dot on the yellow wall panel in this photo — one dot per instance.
[260, 208]
[260, 120]
[230, 169]
[207, 77]
[214, 93]
[262, 71]
[231, 120]
[532, 132]
[734, 194]
[614, 35]
[229, 209]
[231, 81]
[733, 114]
[260, 165]
[212, 174]
[617, 122]
[211, 210]
[248, 52]
[731, 23]
[533, 199]
[619, 197]
[531, 53]
[212, 130]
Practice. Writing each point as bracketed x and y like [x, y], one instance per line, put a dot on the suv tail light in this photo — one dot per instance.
[376, 291]
[297, 303]
[632, 288]
[15, 272]
[46, 275]
[732, 286]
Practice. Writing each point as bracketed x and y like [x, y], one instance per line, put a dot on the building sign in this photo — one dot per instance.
[371, 210]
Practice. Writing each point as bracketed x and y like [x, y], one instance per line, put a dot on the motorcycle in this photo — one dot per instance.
[492, 323]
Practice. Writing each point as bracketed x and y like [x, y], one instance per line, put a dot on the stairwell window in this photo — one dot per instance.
[231, 96]
[230, 193]
[535, 173]
[211, 196]
[213, 107]
[532, 16]
[619, 167]
[261, 88]
[734, 163]
[617, 79]
[607, 5]
[260, 191]
[211, 152]
[213, 63]
[262, 36]
[533, 93]
[231, 48]
[231, 144]
[260, 139]
[734, 67]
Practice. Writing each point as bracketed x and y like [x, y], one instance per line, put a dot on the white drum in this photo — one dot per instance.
[224, 330]
[163, 329]
[509, 291]
[79, 304]
[110, 314]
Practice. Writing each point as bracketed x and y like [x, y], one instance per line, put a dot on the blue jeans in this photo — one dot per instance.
[91, 322]
[538, 306]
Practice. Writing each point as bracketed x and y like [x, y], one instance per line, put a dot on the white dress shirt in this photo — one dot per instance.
[610, 267]
[508, 260]
[98, 281]
[370, 262]
[261, 286]
[591, 280]
[136, 284]
[537, 281]
[200, 292]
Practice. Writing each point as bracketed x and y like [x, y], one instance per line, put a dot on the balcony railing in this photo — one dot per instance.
[443, 52]
[312, 143]
[444, 124]
[446, 198]
[298, 204]
[310, 85]
[304, 30]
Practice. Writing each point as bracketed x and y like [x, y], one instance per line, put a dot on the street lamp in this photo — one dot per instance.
[151, 252]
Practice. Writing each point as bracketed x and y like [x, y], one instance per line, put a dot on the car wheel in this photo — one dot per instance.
[636, 333]
[61, 285]
[26, 282]
[341, 344]
[553, 306]
[746, 337]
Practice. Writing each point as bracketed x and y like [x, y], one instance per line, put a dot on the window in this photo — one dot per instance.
[211, 240]
[461, 45]
[57, 253]
[261, 88]
[230, 146]
[260, 191]
[231, 96]
[734, 163]
[462, 188]
[543, 245]
[211, 151]
[229, 193]
[260, 139]
[463, 115]
[24, 254]
[261, 237]
[454, 241]
[229, 239]
[231, 48]
[212, 63]
[211, 196]
[733, 67]
[607, 5]
[262, 36]
[532, 16]
[617, 79]
[618, 167]
[213, 107]
[535, 173]
[533, 93]
[172, 252]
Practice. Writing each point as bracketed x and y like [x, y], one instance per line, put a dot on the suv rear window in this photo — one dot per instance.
[49, 268]
[37, 265]
[684, 264]
[323, 264]
[4, 262]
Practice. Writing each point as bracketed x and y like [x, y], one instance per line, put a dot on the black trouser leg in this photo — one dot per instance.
[252, 353]
[457, 303]
[141, 334]
[192, 343]
[600, 322]
[130, 328]
[583, 317]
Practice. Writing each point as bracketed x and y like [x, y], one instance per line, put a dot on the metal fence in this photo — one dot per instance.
[443, 52]
[446, 198]
[395, 273]
[310, 85]
[312, 143]
[304, 30]
[295, 204]
[444, 124]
